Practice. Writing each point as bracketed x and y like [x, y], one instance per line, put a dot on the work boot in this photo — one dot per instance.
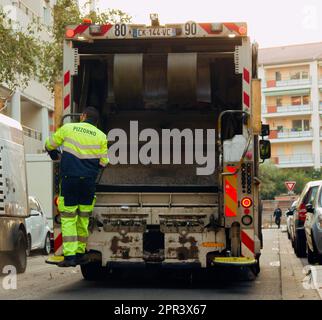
[69, 261]
[82, 258]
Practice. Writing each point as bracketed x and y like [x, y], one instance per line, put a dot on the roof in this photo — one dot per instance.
[290, 54]
[10, 122]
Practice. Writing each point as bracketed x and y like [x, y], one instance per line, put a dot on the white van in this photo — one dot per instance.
[13, 196]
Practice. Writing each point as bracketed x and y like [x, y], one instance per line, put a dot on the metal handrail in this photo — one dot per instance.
[290, 108]
[32, 133]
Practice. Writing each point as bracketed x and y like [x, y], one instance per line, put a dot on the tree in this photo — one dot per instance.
[19, 53]
[66, 12]
[273, 179]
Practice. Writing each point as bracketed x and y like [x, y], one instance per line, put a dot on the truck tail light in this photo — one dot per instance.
[56, 200]
[70, 33]
[247, 202]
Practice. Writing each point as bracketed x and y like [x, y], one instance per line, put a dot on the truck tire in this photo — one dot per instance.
[93, 271]
[19, 255]
[28, 245]
[311, 256]
[256, 269]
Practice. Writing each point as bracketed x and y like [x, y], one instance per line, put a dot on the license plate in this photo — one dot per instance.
[154, 32]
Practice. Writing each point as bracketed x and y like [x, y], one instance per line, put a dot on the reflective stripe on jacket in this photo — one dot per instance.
[84, 149]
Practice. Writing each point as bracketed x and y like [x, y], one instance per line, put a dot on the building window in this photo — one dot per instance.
[305, 75]
[278, 76]
[298, 75]
[301, 125]
[280, 128]
[306, 100]
[46, 15]
[306, 125]
[297, 125]
[296, 101]
[300, 100]
[279, 101]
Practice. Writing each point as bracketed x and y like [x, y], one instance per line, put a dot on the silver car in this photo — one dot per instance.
[289, 219]
[313, 228]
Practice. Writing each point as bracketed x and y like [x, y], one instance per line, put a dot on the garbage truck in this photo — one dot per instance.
[181, 107]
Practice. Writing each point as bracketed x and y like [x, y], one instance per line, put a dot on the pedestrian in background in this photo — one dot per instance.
[277, 216]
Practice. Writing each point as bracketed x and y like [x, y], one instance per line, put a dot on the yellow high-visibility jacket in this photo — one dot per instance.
[84, 149]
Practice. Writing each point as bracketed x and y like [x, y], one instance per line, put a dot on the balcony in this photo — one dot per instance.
[291, 86]
[32, 140]
[286, 83]
[291, 135]
[279, 111]
[294, 160]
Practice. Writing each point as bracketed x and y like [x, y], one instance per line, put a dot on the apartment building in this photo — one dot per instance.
[292, 103]
[32, 106]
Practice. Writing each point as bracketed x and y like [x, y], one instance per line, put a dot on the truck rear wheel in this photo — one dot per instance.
[19, 255]
[93, 271]
[256, 269]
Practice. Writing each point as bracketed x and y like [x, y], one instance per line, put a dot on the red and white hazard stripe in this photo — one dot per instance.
[248, 243]
[246, 88]
[58, 242]
[67, 91]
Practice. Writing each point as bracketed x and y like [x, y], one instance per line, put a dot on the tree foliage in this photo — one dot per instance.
[273, 179]
[24, 56]
[66, 12]
[19, 53]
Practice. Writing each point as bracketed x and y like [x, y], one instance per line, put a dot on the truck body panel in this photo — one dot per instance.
[176, 77]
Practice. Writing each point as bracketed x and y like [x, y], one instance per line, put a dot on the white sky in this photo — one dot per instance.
[270, 23]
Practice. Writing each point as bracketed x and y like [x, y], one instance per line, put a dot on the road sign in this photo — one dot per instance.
[290, 185]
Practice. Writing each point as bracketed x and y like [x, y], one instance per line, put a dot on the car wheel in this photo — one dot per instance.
[28, 245]
[93, 271]
[300, 246]
[312, 257]
[47, 247]
[19, 255]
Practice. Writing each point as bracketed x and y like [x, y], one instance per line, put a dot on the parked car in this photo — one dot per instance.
[298, 237]
[38, 230]
[313, 228]
[289, 218]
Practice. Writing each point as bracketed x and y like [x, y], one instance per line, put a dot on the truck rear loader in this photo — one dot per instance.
[198, 80]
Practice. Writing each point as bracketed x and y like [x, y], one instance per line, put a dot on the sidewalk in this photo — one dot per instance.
[292, 269]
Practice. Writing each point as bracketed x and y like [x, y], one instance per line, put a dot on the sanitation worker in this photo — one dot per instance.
[84, 151]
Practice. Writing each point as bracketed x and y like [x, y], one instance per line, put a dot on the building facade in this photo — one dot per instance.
[292, 103]
[33, 106]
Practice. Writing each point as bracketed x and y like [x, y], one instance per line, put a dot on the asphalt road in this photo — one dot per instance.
[281, 277]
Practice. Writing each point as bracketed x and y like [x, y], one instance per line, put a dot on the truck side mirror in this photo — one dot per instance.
[265, 130]
[265, 149]
[309, 208]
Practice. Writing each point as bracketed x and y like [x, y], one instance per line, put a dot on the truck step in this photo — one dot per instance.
[234, 261]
